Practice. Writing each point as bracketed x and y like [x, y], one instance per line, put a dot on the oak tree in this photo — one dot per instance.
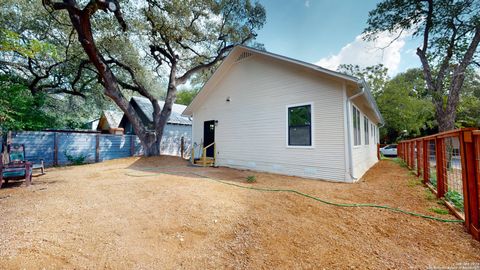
[185, 38]
[450, 33]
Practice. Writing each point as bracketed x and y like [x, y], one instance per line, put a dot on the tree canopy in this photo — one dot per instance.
[450, 34]
[178, 40]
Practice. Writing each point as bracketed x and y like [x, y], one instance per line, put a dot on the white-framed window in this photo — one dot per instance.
[356, 126]
[366, 129]
[299, 125]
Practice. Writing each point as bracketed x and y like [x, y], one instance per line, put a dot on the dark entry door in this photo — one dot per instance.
[209, 136]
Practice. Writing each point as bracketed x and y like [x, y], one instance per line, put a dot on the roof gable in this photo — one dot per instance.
[113, 118]
[176, 117]
[240, 53]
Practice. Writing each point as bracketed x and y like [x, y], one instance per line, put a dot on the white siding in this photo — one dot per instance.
[363, 156]
[251, 130]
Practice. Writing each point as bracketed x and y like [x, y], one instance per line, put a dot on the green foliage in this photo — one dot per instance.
[403, 100]
[19, 109]
[198, 29]
[251, 179]
[439, 211]
[447, 30]
[468, 111]
[409, 15]
[405, 106]
[186, 96]
[75, 160]
[11, 41]
[376, 75]
[455, 198]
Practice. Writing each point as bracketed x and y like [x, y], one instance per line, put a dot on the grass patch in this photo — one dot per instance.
[439, 211]
[413, 182]
[433, 178]
[455, 198]
[400, 162]
[429, 195]
[441, 202]
[251, 179]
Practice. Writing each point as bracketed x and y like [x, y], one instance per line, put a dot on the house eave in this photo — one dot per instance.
[228, 62]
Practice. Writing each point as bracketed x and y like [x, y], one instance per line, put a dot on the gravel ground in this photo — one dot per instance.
[159, 213]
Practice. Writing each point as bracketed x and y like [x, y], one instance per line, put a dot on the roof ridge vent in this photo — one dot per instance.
[243, 56]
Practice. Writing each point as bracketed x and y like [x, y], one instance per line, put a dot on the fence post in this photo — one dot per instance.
[470, 194]
[412, 159]
[182, 147]
[426, 161]
[55, 149]
[410, 155]
[405, 155]
[132, 145]
[418, 144]
[401, 151]
[97, 148]
[440, 158]
[473, 156]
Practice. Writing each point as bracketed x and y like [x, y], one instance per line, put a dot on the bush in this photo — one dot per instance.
[251, 179]
[455, 198]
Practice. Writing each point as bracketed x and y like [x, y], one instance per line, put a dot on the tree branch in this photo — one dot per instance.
[446, 61]
[69, 5]
[221, 54]
[428, 25]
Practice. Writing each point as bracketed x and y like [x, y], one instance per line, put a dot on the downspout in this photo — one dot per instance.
[350, 147]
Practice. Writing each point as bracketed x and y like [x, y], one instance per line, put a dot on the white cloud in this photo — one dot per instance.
[307, 3]
[386, 49]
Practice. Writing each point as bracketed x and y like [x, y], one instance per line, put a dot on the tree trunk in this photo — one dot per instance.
[445, 119]
[150, 141]
[161, 117]
[151, 145]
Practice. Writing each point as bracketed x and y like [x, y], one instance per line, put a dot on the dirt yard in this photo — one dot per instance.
[127, 214]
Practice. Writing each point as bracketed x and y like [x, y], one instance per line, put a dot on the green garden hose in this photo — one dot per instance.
[389, 208]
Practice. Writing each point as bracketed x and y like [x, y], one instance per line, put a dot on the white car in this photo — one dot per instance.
[389, 150]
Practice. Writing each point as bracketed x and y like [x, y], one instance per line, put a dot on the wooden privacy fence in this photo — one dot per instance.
[449, 164]
[62, 148]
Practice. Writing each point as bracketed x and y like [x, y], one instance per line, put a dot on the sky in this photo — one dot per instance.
[329, 33]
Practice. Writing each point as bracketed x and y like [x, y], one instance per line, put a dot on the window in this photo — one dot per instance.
[367, 131]
[374, 136]
[300, 125]
[356, 127]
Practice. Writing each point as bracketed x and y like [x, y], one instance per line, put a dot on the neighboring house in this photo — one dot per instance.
[271, 113]
[177, 126]
[92, 124]
[109, 122]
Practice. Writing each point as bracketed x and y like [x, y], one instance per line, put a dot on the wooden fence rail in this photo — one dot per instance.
[449, 164]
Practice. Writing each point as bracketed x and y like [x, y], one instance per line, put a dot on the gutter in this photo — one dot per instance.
[349, 135]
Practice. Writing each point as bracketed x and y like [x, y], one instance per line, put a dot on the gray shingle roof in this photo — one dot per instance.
[175, 118]
[113, 118]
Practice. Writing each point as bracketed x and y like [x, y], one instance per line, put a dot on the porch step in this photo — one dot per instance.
[206, 162]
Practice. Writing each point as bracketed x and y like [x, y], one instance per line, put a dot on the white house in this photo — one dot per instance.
[271, 113]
